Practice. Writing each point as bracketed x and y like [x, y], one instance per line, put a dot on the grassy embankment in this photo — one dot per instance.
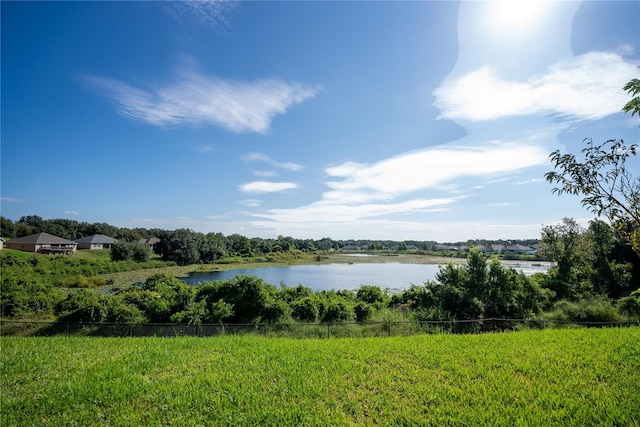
[554, 377]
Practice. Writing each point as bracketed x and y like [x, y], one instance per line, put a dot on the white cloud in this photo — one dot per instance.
[183, 218]
[428, 168]
[195, 99]
[585, 87]
[261, 157]
[363, 196]
[11, 199]
[267, 187]
[74, 213]
[328, 212]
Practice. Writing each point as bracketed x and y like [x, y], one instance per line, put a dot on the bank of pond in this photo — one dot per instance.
[392, 276]
[323, 294]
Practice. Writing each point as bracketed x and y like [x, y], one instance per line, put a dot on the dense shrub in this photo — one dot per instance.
[595, 309]
[24, 297]
[305, 309]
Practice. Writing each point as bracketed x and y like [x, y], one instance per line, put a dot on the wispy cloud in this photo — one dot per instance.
[498, 204]
[372, 193]
[204, 149]
[195, 99]
[253, 203]
[206, 12]
[267, 187]
[261, 157]
[428, 168]
[530, 181]
[11, 199]
[583, 87]
[330, 212]
[264, 174]
[74, 213]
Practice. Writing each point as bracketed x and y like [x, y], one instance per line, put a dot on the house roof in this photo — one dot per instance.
[42, 239]
[518, 247]
[149, 241]
[97, 239]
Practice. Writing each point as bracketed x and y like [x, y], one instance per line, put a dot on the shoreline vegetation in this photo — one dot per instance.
[94, 289]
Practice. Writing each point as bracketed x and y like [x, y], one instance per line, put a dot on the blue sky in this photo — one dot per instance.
[371, 120]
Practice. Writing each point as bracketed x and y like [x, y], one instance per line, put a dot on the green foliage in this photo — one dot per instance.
[595, 309]
[80, 281]
[305, 309]
[21, 297]
[633, 106]
[334, 310]
[83, 306]
[252, 299]
[476, 291]
[371, 295]
[363, 311]
[630, 306]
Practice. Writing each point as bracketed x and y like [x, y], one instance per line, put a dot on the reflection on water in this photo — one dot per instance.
[393, 276]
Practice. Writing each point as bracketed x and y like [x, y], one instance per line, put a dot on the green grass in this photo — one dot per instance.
[573, 377]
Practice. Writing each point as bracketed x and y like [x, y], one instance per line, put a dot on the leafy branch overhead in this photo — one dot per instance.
[603, 178]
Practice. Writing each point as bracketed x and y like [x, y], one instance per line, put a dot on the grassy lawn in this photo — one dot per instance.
[573, 377]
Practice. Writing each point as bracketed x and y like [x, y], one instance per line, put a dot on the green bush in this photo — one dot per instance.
[595, 309]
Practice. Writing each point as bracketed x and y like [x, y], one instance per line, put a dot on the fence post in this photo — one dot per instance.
[328, 333]
[389, 328]
[67, 329]
[130, 329]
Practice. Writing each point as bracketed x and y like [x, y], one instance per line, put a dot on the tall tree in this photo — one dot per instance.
[603, 179]
[567, 245]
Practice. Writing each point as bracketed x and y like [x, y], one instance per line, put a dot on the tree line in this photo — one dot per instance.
[185, 247]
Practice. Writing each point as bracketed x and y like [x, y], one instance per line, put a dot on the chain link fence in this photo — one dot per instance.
[290, 330]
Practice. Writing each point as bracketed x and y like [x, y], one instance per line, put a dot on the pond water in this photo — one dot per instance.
[393, 276]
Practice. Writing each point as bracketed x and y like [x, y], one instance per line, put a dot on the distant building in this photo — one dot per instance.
[42, 243]
[150, 242]
[350, 248]
[520, 249]
[1, 242]
[497, 248]
[97, 241]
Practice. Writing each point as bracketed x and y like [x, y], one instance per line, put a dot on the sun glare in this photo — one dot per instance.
[517, 14]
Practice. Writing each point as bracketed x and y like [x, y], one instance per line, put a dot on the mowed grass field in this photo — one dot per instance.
[571, 377]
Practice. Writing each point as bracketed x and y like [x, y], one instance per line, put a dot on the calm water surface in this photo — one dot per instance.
[394, 276]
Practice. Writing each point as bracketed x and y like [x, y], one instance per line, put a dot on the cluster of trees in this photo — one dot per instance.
[125, 251]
